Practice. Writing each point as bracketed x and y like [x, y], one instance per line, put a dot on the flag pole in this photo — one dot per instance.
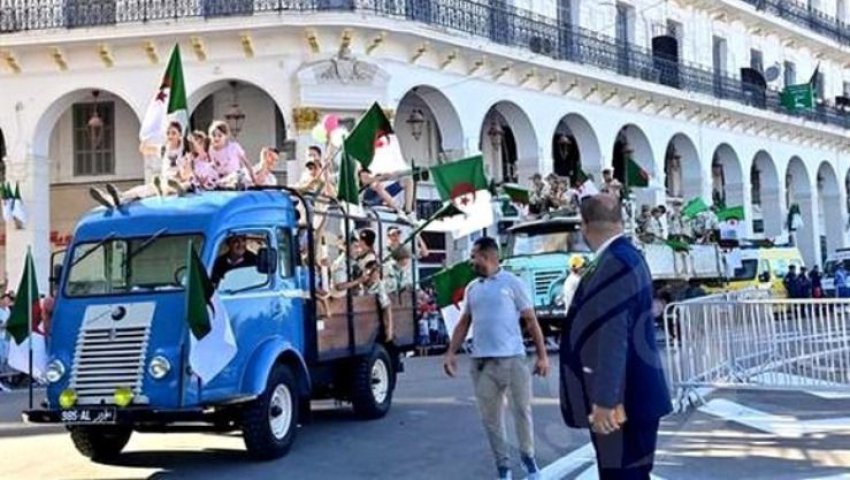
[29, 320]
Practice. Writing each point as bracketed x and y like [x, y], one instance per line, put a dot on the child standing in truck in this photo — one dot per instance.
[375, 286]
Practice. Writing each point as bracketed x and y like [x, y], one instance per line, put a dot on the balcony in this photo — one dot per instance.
[800, 14]
[495, 21]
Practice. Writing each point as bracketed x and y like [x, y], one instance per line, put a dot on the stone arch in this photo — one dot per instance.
[766, 195]
[682, 170]
[264, 124]
[799, 191]
[632, 141]
[507, 134]
[830, 218]
[575, 147]
[442, 134]
[727, 176]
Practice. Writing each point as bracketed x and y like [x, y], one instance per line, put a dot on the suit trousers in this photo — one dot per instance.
[627, 454]
[497, 380]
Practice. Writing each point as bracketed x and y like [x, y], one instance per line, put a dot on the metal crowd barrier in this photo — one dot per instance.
[746, 342]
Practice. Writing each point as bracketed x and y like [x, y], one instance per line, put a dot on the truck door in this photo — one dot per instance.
[289, 308]
[246, 283]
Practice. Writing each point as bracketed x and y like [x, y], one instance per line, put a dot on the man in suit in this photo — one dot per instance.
[611, 376]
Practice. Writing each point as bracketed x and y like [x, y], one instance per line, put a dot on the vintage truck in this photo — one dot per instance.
[120, 342]
[539, 252]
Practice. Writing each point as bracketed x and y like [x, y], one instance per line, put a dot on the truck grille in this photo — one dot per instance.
[107, 359]
[542, 281]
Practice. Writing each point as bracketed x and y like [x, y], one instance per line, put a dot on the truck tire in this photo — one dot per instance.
[100, 443]
[269, 423]
[374, 382]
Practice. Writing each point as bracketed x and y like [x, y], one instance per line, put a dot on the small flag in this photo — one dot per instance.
[212, 344]
[464, 184]
[731, 222]
[459, 223]
[450, 283]
[636, 176]
[371, 133]
[168, 105]
[796, 98]
[25, 326]
[17, 210]
[694, 208]
[348, 185]
[517, 193]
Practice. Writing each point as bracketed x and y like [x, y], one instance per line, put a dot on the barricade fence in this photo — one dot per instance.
[747, 342]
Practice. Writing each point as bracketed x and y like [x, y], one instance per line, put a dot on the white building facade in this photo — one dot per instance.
[688, 88]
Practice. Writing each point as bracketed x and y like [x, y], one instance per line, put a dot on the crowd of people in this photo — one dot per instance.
[808, 284]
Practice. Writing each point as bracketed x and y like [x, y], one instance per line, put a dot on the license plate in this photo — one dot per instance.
[89, 416]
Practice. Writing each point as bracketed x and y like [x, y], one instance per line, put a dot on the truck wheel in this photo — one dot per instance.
[269, 422]
[374, 382]
[100, 443]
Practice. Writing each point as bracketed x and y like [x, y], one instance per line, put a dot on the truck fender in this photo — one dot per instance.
[265, 357]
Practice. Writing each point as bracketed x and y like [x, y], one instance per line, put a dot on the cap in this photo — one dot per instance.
[576, 261]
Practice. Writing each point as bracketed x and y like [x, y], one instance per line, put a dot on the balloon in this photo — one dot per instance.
[338, 135]
[331, 122]
[320, 134]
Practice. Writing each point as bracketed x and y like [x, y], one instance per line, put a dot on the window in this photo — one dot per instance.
[235, 269]
[747, 270]
[119, 266]
[285, 252]
[719, 55]
[756, 60]
[790, 73]
[94, 155]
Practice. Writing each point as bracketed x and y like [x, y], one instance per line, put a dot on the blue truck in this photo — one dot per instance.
[120, 341]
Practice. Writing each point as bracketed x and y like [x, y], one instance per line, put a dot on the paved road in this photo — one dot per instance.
[433, 432]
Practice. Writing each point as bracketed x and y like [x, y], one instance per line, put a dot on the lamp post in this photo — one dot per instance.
[234, 116]
[94, 125]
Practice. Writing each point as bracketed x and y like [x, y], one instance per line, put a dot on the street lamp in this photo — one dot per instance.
[234, 116]
[416, 121]
[95, 123]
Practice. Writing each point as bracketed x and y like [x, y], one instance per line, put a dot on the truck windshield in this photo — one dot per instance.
[118, 266]
[559, 242]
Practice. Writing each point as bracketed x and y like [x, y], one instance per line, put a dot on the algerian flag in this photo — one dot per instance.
[17, 208]
[25, 326]
[168, 105]
[517, 193]
[348, 190]
[212, 344]
[795, 218]
[464, 185]
[7, 201]
[373, 144]
[731, 221]
[450, 285]
[694, 207]
[636, 176]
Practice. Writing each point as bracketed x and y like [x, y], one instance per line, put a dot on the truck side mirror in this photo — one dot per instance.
[267, 261]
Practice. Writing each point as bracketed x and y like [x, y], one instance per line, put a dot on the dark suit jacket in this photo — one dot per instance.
[608, 352]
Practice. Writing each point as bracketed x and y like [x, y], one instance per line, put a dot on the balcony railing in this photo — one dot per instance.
[802, 14]
[494, 20]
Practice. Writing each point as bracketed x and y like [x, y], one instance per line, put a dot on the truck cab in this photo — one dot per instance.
[120, 342]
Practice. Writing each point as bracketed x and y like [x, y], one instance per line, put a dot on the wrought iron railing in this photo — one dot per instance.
[804, 15]
[494, 20]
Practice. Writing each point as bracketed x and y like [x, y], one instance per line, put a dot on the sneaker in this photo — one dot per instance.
[531, 467]
[505, 473]
[100, 198]
[114, 193]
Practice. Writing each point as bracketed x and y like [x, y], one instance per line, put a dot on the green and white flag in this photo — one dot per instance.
[463, 184]
[796, 98]
[168, 105]
[212, 344]
[17, 211]
[450, 285]
[731, 223]
[374, 144]
[25, 326]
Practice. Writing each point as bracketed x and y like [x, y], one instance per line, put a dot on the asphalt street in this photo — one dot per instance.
[433, 431]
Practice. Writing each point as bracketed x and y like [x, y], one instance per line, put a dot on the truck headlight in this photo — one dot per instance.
[159, 367]
[55, 371]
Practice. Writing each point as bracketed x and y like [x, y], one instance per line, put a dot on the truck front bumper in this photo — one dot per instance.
[110, 415]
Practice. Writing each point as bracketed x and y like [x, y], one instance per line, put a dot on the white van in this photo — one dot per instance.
[842, 255]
